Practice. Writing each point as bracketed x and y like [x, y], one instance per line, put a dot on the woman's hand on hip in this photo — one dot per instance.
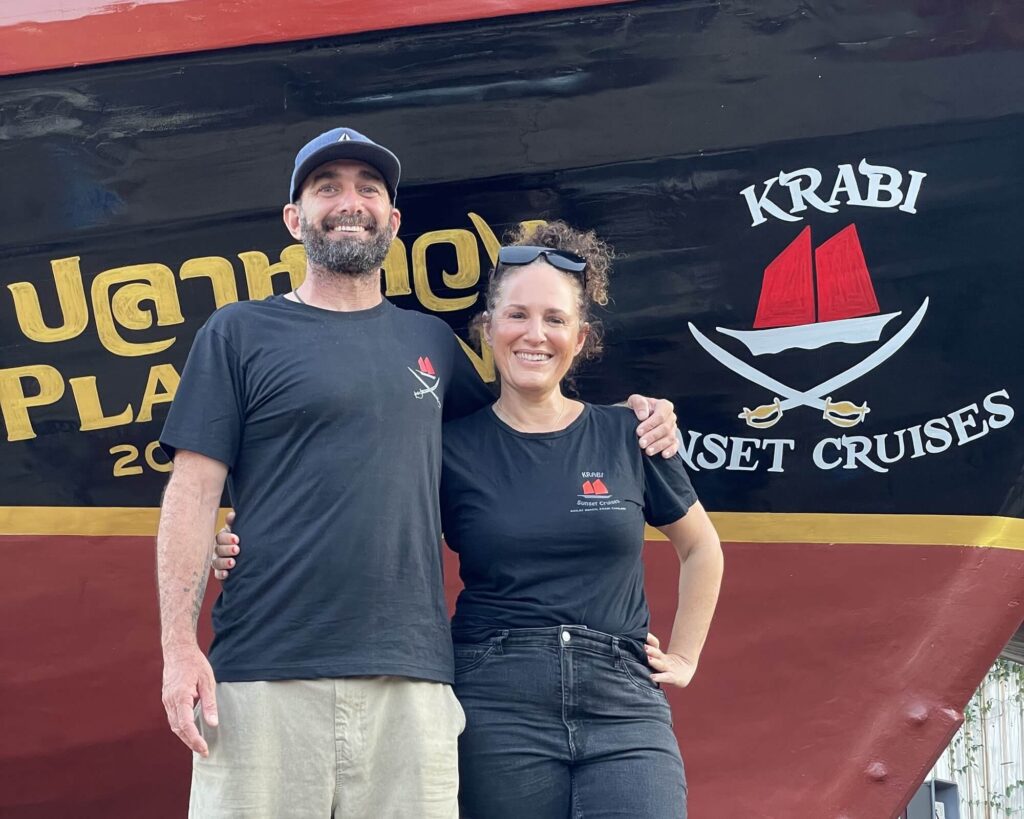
[669, 669]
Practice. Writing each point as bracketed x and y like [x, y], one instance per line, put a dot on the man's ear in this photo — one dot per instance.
[292, 215]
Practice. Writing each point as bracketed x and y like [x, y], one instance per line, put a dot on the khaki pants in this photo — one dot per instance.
[351, 748]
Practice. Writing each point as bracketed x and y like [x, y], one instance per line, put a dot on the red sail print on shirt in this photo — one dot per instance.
[426, 378]
[600, 488]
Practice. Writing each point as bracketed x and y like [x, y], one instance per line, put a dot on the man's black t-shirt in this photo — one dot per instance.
[549, 527]
[330, 424]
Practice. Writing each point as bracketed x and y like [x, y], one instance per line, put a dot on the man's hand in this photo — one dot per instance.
[188, 677]
[671, 669]
[658, 432]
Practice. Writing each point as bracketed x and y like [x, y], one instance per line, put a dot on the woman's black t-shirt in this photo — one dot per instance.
[549, 527]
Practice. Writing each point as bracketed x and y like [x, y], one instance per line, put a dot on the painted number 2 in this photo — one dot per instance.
[127, 464]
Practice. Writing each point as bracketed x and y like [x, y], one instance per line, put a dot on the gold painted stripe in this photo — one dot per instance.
[733, 527]
[907, 530]
[97, 521]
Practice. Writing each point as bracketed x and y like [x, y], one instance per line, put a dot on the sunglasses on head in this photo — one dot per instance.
[524, 254]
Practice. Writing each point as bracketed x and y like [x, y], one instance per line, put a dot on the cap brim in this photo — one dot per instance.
[376, 156]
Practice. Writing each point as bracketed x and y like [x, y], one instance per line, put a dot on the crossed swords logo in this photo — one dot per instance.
[428, 388]
[843, 414]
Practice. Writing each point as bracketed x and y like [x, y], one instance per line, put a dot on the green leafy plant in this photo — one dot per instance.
[977, 763]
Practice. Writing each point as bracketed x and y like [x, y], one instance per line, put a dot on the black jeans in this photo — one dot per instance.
[565, 723]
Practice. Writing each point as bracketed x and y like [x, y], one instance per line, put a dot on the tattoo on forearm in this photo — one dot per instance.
[200, 592]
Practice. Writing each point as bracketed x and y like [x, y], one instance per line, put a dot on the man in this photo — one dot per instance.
[322, 410]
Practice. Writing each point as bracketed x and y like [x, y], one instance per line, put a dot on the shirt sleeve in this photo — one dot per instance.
[466, 392]
[207, 411]
[668, 493]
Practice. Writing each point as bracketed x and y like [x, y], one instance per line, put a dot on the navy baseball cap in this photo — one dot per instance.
[344, 143]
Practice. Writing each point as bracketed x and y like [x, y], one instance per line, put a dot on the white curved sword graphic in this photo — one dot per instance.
[753, 374]
[428, 389]
[813, 396]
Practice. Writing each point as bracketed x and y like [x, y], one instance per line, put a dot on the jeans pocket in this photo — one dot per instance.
[639, 674]
[470, 656]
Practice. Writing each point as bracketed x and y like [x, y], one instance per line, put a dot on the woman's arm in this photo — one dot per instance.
[700, 576]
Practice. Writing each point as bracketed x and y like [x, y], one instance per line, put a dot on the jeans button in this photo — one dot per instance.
[566, 636]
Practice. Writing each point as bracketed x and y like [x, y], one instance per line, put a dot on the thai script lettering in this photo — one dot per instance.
[119, 304]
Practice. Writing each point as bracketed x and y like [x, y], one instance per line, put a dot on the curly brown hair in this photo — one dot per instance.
[559, 236]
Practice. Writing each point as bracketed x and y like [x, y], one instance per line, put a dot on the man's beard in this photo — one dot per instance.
[345, 255]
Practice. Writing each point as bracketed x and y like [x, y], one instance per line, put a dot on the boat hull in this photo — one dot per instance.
[832, 674]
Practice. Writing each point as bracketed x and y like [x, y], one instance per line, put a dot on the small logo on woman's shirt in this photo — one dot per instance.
[595, 495]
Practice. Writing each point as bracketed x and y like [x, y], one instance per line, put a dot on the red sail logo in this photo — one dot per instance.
[844, 285]
[596, 487]
[810, 299]
[788, 314]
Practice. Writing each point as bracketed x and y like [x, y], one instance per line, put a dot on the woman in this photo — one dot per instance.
[545, 498]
